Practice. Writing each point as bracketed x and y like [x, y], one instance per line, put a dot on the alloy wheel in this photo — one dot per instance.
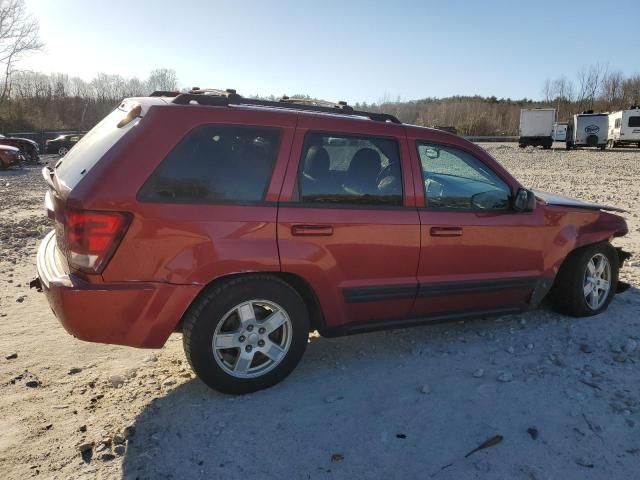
[252, 338]
[597, 281]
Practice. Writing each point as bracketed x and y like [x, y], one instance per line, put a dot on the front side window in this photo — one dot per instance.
[337, 169]
[455, 180]
[216, 164]
[634, 121]
[617, 125]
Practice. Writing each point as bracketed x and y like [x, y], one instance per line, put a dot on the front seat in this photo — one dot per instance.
[363, 172]
[315, 171]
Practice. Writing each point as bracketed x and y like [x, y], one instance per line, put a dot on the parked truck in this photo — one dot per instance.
[588, 129]
[624, 127]
[559, 132]
[536, 125]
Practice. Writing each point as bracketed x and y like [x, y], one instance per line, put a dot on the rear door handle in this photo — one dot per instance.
[312, 230]
[446, 231]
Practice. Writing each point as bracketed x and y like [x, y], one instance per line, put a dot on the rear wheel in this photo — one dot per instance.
[62, 151]
[587, 281]
[246, 334]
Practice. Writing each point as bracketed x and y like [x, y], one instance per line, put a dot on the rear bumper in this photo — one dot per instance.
[138, 314]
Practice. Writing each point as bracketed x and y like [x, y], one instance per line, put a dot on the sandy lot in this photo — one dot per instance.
[564, 393]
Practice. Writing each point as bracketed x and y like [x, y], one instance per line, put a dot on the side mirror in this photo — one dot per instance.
[491, 200]
[524, 201]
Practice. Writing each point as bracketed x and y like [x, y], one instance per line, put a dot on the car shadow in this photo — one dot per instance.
[349, 409]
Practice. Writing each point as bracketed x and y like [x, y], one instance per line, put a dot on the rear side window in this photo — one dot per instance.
[355, 170]
[634, 121]
[216, 164]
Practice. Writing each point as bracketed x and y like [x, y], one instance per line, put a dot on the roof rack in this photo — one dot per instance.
[228, 97]
[164, 93]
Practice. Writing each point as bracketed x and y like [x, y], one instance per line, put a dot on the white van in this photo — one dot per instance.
[588, 129]
[624, 127]
[559, 132]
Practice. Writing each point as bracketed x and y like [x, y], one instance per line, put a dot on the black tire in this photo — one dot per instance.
[568, 146]
[567, 294]
[209, 309]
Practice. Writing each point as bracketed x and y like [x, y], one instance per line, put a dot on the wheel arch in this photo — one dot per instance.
[299, 284]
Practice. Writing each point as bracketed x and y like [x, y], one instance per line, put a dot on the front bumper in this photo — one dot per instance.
[138, 314]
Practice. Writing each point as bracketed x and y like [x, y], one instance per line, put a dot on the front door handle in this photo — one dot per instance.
[446, 231]
[312, 230]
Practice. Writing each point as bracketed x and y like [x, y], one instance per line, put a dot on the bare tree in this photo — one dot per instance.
[162, 79]
[548, 90]
[590, 82]
[612, 90]
[19, 35]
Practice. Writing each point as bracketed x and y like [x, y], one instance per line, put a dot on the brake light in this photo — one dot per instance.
[92, 237]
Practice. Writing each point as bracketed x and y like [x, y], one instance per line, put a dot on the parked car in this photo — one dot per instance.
[62, 143]
[587, 129]
[29, 148]
[624, 127]
[247, 223]
[10, 156]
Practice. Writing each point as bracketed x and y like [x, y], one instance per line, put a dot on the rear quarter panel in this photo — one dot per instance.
[183, 243]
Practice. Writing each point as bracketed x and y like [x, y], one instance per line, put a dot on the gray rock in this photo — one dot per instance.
[505, 377]
[11, 356]
[425, 389]
[479, 373]
[119, 450]
[167, 382]
[106, 457]
[631, 346]
[129, 431]
[584, 462]
[116, 381]
[118, 439]
[20, 299]
[74, 370]
[511, 350]
[584, 348]
[85, 446]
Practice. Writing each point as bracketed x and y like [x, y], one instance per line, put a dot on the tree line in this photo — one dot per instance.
[37, 101]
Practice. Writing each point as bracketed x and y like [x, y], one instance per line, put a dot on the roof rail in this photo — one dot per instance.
[228, 97]
[164, 93]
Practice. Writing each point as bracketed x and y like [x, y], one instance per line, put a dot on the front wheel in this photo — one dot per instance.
[62, 151]
[246, 334]
[587, 281]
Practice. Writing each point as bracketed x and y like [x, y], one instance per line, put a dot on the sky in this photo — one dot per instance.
[340, 50]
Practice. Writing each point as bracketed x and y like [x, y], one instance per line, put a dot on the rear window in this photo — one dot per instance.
[216, 164]
[91, 147]
[634, 121]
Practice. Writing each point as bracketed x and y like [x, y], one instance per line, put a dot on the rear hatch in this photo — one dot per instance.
[85, 239]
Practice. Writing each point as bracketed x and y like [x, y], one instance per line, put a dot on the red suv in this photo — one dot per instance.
[246, 223]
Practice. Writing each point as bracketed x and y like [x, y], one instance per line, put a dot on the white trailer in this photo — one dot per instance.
[588, 129]
[624, 127]
[536, 125]
[559, 132]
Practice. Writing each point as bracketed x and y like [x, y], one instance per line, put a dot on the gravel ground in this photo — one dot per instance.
[563, 394]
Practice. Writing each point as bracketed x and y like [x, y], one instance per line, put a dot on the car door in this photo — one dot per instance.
[477, 253]
[347, 220]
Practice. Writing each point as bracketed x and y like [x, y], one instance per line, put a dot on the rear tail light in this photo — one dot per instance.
[92, 237]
